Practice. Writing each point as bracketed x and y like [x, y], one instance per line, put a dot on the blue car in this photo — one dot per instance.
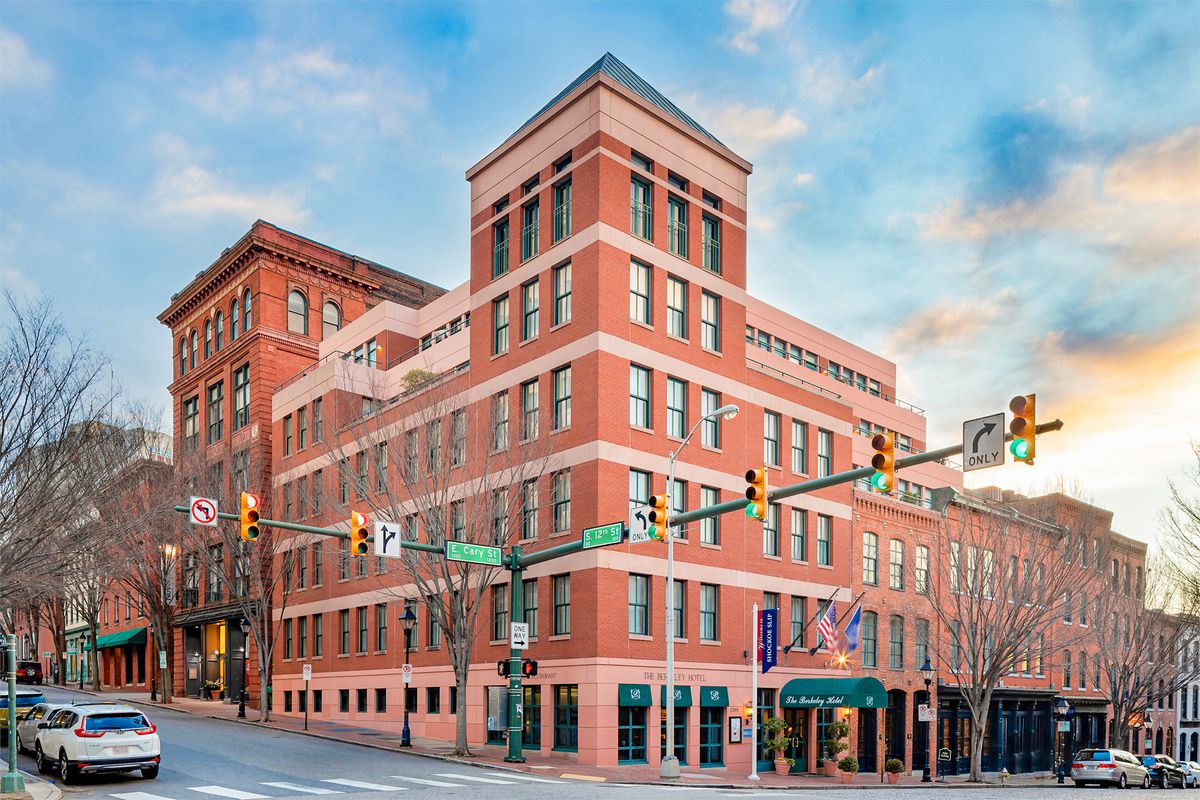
[26, 699]
[1165, 771]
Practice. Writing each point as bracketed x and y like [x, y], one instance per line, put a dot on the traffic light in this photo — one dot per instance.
[884, 462]
[529, 668]
[358, 533]
[1023, 428]
[249, 516]
[756, 493]
[658, 517]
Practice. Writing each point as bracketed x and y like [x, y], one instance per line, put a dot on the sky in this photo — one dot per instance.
[1002, 198]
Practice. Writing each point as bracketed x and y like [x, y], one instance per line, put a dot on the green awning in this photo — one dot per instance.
[683, 696]
[833, 693]
[633, 694]
[131, 636]
[714, 697]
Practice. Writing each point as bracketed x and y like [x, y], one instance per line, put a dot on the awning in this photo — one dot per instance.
[633, 694]
[714, 697]
[131, 636]
[683, 696]
[833, 693]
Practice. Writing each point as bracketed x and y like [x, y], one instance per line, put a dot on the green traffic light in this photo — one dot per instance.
[750, 511]
[1019, 448]
[880, 481]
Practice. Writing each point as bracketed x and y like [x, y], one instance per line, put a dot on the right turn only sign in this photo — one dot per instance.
[983, 442]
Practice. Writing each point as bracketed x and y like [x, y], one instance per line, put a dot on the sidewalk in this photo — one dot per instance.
[539, 762]
[35, 787]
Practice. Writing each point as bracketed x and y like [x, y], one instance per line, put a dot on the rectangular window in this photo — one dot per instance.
[360, 700]
[799, 447]
[677, 226]
[500, 325]
[566, 717]
[529, 230]
[529, 509]
[710, 429]
[344, 628]
[869, 634]
[870, 558]
[499, 422]
[529, 410]
[530, 304]
[562, 397]
[639, 396]
[676, 407]
[824, 540]
[896, 643]
[562, 604]
[344, 701]
[433, 700]
[241, 397]
[799, 620]
[709, 528]
[639, 488]
[191, 422]
[678, 496]
[631, 735]
[799, 534]
[361, 614]
[500, 248]
[318, 629]
[381, 627]
[771, 438]
[921, 574]
[530, 592]
[771, 531]
[810, 361]
[562, 210]
[318, 420]
[639, 292]
[895, 564]
[824, 453]
[433, 447]
[712, 244]
[562, 294]
[302, 428]
[458, 443]
[216, 412]
[677, 308]
[639, 605]
[709, 622]
[641, 212]
[435, 629]
[710, 322]
[561, 489]
[500, 612]
[679, 609]
[922, 643]
[287, 638]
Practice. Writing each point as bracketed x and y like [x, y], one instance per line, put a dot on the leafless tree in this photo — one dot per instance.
[453, 468]
[1180, 524]
[999, 600]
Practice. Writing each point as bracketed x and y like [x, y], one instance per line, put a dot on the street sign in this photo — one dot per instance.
[307, 672]
[1064, 726]
[473, 553]
[203, 511]
[387, 539]
[406, 673]
[519, 635]
[162, 659]
[602, 535]
[639, 525]
[944, 754]
[70, 648]
[925, 713]
[46, 654]
[983, 442]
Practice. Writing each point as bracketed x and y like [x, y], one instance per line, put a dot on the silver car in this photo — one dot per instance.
[27, 725]
[1109, 767]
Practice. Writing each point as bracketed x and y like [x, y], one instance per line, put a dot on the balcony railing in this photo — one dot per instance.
[641, 220]
[677, 237]
[712, 254]
[529, 241]
[500, 259]
[562, 222]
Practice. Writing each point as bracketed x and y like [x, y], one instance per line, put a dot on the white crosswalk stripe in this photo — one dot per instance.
[475, 778]
[375, 787]
[139, 796]
[224, 791]
[517, 777]
[426, 781]
[293, 787]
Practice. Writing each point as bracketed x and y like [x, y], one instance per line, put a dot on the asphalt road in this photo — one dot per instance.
[207, 759]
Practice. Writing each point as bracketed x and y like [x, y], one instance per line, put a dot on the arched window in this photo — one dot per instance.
[297, 312]
[246, 323]
[220, 334]
[192, 352]
[182, 356]
[331, 319]
[208, 339]
[233, 320]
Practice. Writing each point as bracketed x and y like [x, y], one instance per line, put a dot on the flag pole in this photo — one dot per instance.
[753, 693]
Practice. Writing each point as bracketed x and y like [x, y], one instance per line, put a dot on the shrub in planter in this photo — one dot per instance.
[848, 768]
[893, 768]
[834, 744]
[777, 742]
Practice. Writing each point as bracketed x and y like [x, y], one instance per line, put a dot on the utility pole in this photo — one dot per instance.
[516, 699]
[12, 781]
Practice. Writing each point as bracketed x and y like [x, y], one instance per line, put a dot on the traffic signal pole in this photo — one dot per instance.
[516, 699]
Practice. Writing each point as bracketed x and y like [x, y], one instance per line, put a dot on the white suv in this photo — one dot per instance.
[85, 739]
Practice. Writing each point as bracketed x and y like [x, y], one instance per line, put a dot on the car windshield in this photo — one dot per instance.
[115, 722]
[1095, 755]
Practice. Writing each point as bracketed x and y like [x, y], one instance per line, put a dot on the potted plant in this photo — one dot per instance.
[834, 744]
[847, 768]
[777, 742]
[213, 688]
[892, 767]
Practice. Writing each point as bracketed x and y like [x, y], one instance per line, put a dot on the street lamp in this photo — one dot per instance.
[1061, 708]
[927, 672]
[83, 640]
[407, 619]
[669, 768]
[245, 626]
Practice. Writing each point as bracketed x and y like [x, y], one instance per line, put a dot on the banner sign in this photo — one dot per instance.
[768, 627]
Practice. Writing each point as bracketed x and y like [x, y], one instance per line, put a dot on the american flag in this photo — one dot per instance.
[827, 627]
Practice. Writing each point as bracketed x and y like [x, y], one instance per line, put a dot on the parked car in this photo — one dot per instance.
[27, 725]
[29, 672]
[1109, 767]
[1165, 771]
[93, 738]
[26, 699]
[1193, 773]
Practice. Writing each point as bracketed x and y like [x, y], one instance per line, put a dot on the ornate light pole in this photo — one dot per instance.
[407, 619]
[245, 626]
[927, 672]
[1061, 707]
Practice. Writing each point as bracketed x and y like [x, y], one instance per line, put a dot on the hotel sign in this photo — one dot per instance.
[814, 701]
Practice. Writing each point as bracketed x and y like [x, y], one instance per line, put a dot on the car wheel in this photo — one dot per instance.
[150, 773]
[39, 759]
[1162, 783]
[1146, 781]
[1122, 782]
[66, 773]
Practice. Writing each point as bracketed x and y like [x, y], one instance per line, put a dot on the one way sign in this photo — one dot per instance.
[387, 539]
[983, 442]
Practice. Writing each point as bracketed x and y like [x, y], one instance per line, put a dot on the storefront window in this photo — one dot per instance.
[631, 735]
[681, 715]
[531, 736]
[566, 717]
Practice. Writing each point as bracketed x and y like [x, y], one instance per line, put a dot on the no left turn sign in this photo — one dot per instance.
[203, 511]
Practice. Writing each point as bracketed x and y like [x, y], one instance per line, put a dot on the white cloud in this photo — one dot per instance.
[751, 130]
[804, 179]
[18, 66]
[831, 81]
[757, 17]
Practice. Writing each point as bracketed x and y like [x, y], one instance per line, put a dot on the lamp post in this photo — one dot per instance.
[245, 626]
[669, 768]
[927, 672]
[407, 619]
[153, 668]
[83, 640]
[1061, 707]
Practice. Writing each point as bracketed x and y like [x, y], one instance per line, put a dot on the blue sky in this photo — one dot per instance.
[1002, 197]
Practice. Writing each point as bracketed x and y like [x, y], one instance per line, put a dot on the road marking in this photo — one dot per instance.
[517, 777]
[425, 781]
[475, 778]
[292, 787]
[221, 791]
[139, 796]
[585, 778]
[377, 787]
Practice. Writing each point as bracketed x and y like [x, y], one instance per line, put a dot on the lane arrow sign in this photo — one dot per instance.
[986, 430]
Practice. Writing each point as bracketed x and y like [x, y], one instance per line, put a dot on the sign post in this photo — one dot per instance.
[983, 442]
[519, 638]
[753, 693]
[12, 781]
[307, 677]
[516, 691]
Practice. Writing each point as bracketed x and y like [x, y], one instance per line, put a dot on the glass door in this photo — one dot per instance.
[797, 732]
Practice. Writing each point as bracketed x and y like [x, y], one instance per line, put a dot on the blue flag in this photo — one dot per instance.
[768, 627]
[852, 630]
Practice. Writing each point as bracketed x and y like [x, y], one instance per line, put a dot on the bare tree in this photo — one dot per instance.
[453, 468]
[1180, 523]
[1002, 587]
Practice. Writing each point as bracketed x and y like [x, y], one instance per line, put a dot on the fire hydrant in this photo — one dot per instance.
[1003, 776]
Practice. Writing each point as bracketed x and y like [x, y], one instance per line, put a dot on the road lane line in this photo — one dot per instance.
[375, 787]
[426, 781]
[294, 787]
[517, 777]
[223, 791]
[139, 796]
[475, 778]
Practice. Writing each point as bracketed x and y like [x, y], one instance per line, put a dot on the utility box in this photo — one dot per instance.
[497, 708]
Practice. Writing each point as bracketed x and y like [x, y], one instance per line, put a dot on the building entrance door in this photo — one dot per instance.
[868, 735]
[797, 731]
